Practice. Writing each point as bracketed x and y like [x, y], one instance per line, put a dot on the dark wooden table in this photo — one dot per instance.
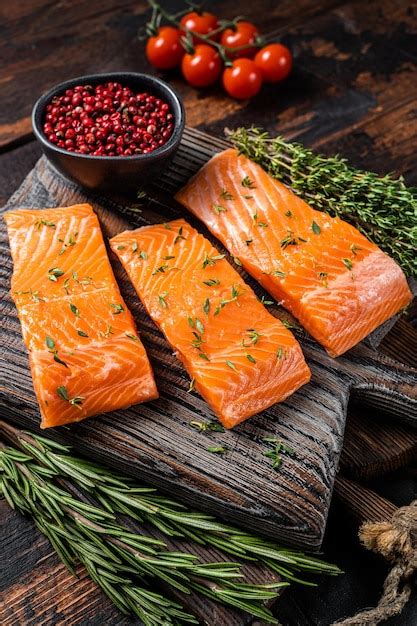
[353, 91]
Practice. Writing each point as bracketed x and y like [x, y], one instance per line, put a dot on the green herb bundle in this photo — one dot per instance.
[381, 207]
[78, 504]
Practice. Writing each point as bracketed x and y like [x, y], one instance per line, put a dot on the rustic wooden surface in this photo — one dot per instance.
[156, 442]
[351, 92]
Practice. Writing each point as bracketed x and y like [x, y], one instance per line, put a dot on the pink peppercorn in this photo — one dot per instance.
[108, 120]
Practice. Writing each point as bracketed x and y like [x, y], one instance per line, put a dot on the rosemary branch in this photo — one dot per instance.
[38, 478]
[381, 207]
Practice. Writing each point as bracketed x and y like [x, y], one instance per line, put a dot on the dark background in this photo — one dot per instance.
[353, 91]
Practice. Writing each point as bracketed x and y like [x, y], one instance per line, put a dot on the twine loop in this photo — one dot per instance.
[397, 542]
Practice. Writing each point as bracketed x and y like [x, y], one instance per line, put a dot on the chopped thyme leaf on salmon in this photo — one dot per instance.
[338, 284]
[81, 364]
[209, 308]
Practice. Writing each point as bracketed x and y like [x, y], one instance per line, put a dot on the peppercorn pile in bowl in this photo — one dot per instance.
[109, 132]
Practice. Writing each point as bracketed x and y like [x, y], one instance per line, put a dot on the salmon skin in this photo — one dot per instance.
[241, 359]
[85, 354]
[338, 284]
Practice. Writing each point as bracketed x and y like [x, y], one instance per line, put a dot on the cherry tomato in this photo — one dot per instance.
[243, 33]
[243, 79]
[203, 67]
[274, 61]
[202, 23]
[164, 50]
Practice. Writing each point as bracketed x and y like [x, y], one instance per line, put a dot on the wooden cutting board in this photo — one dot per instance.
[155, 441]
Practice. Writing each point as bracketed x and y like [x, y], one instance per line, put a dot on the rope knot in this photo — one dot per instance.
[395, 540]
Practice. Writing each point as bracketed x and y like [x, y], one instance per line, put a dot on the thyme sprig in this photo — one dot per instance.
[381, 207]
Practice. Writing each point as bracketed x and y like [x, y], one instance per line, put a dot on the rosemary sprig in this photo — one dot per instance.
[121, 495]
[381, 207]
[83, 528]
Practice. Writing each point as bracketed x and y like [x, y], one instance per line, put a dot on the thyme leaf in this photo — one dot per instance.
[179, 236]
[54, 273]
[75, 310]
[265, 301]
[276, 453]
[219, 208]
[199, 325]
[160, 270]
[71, 242]
[207, 426]
[50, 344]
[315, 228]
[248, 183]
[117, 308]
[212, 260]
[253, 338]
[162, 299]
[290, 240]
[63, 393]
[43, 222]
[225, 195]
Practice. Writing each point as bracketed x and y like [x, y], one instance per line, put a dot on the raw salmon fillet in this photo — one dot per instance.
[338, 284]
[85, 354]
[241, 359]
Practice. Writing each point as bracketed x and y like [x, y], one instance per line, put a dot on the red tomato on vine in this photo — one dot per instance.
[164, 50]
[203, 23]
[202, 67]
[240, 37]
[243, 79]
[274, 61]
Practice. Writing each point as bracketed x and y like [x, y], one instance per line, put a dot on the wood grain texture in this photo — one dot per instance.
[154, 441]
[363, 504]
[373, 448]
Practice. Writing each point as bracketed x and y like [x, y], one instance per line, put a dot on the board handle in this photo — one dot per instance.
[381, 383]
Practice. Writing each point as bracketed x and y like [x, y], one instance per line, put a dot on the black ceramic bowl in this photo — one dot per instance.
[116, 174]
